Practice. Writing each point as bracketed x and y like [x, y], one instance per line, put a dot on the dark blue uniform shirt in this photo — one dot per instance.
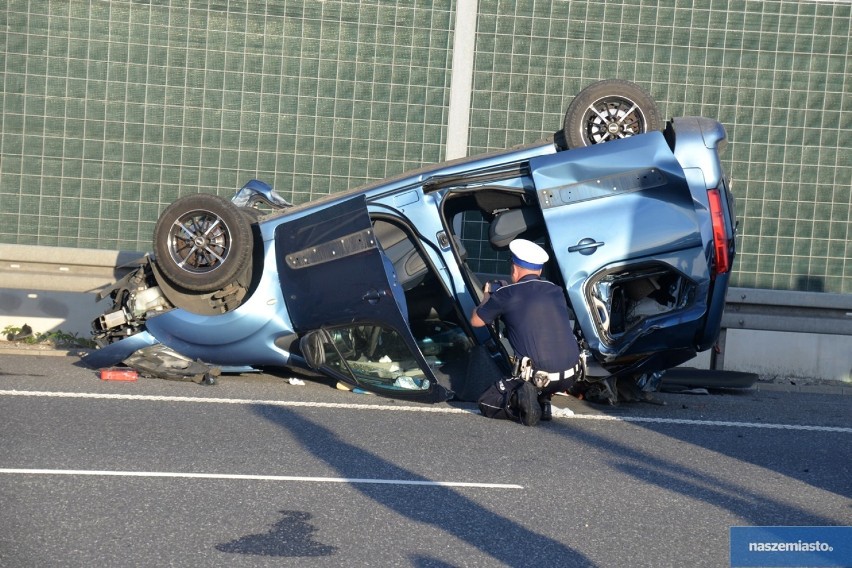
[537, 320]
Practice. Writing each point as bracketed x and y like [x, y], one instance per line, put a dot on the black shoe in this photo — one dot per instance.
[529, 409]
[546, 409]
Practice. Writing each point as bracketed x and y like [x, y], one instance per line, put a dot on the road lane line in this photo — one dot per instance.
[728, 423]
[245, 401]
[431, 409]
[169, 474]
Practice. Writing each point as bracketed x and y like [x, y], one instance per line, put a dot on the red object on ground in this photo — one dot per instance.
[119, 375]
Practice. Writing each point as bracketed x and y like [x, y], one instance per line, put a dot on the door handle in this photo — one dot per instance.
[586, 246]
[373, 296]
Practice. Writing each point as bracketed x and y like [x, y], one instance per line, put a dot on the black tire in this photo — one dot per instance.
[202, 242]
[609, 110]
[251, 214]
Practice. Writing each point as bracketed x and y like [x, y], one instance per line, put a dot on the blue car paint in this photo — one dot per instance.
[247, 334]
[579, 201]
[257, 332]
[115, 353]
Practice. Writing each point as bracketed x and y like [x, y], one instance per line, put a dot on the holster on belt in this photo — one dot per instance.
[523, 368]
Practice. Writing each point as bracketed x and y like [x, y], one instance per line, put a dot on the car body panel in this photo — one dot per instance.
[251, 334]
[116, 352]
[638, 188]
[331, 269]
[627, 222]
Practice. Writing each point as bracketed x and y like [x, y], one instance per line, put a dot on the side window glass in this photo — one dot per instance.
[441, 342]
[376, 357]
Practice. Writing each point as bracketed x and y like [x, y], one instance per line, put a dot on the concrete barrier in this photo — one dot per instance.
[54, 288]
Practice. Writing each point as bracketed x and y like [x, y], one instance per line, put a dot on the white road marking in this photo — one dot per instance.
[728, 423]
[432, 409]
[245, 401]
[169, 474]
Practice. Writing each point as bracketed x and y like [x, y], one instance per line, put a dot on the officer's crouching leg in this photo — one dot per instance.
[562, 385]
[527, 405]
[511, 399]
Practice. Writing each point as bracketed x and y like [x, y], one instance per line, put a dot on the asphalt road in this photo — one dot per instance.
[255, 471]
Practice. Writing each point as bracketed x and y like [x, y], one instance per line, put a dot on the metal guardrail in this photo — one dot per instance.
[783, 310]
[62, 269]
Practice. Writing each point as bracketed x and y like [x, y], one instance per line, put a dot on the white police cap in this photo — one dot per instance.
[527, 254]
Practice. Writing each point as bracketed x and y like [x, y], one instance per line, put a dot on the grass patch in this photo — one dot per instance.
[58, 338]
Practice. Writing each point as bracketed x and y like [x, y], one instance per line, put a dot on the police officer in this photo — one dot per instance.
[547, 357]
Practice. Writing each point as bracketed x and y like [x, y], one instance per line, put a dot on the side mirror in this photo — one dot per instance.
[312, 347]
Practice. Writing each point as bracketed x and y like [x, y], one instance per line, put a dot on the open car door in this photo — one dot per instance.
[628, 242]
[345, 302]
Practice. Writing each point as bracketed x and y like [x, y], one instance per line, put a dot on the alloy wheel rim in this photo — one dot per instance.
[199, 242]
[612, 118]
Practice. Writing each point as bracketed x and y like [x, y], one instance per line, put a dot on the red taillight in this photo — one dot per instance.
[720, 238]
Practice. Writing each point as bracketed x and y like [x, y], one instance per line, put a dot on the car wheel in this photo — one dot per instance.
[202, 242]
[609, 110]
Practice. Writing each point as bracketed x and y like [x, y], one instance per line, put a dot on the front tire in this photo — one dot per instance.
[609, 110]
[202, 242]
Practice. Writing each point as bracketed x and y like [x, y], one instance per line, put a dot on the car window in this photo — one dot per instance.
[376, 357]
[484, 254]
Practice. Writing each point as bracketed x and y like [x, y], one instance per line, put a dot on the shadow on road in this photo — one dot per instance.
[756, 507]
[292, 536]
[448, 510]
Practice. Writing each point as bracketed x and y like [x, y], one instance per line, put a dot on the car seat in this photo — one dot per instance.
[509, 225]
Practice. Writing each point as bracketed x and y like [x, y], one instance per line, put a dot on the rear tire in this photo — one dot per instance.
[202, 242]
[609, 110]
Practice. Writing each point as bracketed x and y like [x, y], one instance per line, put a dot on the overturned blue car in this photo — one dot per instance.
[373, 287]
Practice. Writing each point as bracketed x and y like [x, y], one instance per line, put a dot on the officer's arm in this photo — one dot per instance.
[475, 320]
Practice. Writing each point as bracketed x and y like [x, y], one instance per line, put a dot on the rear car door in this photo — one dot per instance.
[344, 300]
[623, 226]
